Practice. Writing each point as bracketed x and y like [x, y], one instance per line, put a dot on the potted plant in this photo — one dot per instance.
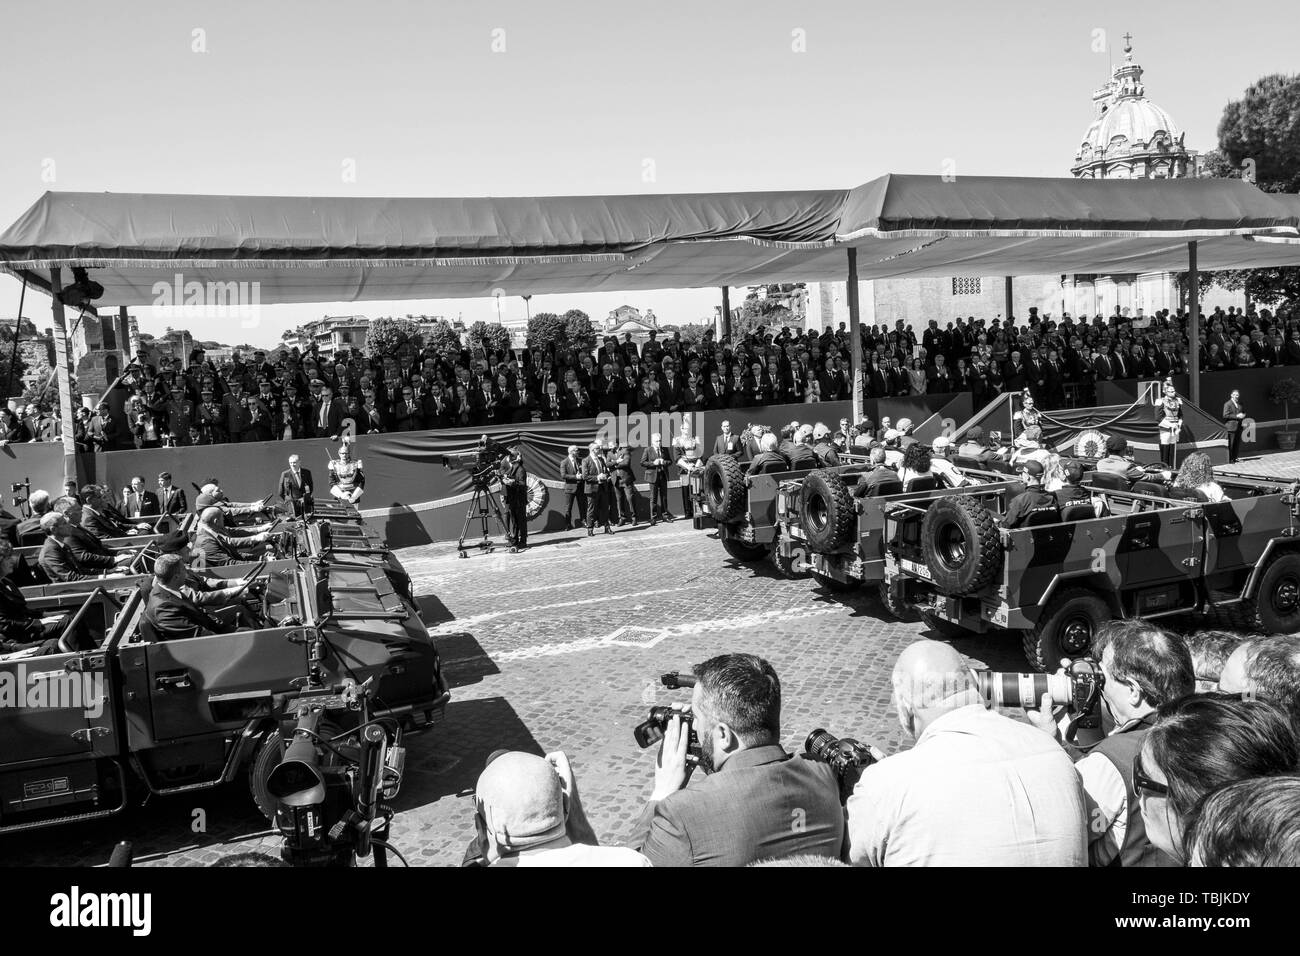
[1284, 392]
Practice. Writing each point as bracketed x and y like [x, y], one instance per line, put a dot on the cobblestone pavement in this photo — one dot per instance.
[560, 648]
[1278, 464]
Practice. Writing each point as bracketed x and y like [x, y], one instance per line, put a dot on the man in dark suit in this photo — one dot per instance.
[168, 613]
[597, 481]
[100, 518]
[670, 388]
[138, 501]
[28, 532]
[522, 404]
[21, 628]
[327, 416]
[63, 559]
[221, 545]
[654, 462]
[742, 810]
[571, 476]
[296, 486]
[870, 483]
[1014, 373]
[171, 500]
[729, 443]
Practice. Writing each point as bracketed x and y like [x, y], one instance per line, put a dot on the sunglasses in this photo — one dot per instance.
[1144, 784]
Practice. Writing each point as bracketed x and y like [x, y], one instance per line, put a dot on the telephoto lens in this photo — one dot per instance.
[1023, 690]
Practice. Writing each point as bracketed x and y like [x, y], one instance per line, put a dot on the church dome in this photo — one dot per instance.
[1131, 137]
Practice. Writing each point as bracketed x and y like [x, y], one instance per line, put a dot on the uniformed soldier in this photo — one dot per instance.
[689, 450]
[823, 445]
[514, 479]
[347, 480]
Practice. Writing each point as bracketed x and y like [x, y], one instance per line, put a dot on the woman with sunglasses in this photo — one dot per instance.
[1200, 743]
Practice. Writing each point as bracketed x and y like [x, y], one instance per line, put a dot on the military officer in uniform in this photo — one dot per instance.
[347, 480]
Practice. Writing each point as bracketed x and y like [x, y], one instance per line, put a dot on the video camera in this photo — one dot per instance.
[328, 784]
[1077, 688]
[484, 458]
[651, 731]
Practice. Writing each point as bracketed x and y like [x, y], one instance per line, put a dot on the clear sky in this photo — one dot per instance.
[716, 94]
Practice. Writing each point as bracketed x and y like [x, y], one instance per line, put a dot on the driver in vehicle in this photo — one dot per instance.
[1118, 461]
[1033, 505]
[204, 591]
[169, 614]
[222, 545]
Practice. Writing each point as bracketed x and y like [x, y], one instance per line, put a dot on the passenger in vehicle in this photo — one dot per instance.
[880, 474]
[1071, 490]
[1033, 505]
[221, 545]
[169, 613]
[941, 466]
[916, 464]
[1029, 447]
[64, 558]
[1197, 473]
[21, 628]
[768, 460]
[893, 450]
[1118, 461]
[29, 529]
[801, 452]
[208, 592]
[100, 518]
[972, 445]
[823, 447]
[905, 437]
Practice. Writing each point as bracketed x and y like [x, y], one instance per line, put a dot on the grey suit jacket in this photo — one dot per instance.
[763, 803]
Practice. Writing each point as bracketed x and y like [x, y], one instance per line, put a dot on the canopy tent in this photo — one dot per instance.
[302, 249]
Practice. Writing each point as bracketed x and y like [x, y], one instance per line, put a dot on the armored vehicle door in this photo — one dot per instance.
[1161, 546]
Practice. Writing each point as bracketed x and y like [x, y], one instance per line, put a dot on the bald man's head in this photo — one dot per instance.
[929, 679]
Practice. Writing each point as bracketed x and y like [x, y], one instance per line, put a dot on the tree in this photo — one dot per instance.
[386, 335]
[440, 336]
[692, 332]
[44, 391]
[755, 312]
[578, 331]
[491, 337]
[546, 329]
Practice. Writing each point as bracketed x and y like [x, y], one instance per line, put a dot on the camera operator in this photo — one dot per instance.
[977, 789]
[1143, 667]
[514, 479]
[742, 810]
[527, 812]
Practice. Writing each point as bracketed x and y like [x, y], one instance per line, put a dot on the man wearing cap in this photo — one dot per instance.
[527, 813]
[177, 415]
[296, 487]
[972, 445]
[1072, 492]
[212, 418]
[514, 479]
[1117, 460]
[1033, 505]
[222, 545]
[347, 479]
[171, 500]
[941, 466]
[905, 437]
[236, 411]
[138, 501]
[654, 462]
[823, 447]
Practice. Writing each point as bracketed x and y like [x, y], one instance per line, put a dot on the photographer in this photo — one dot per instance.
[1143, 667]
[977, 789]
[742, 810]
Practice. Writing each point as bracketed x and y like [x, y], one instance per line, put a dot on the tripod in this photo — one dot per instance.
[483, 505]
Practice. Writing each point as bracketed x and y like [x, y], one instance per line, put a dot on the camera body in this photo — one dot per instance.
[650, 731]
[844, 754]
[1077, 688]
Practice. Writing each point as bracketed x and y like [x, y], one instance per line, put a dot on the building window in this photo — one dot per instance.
[966, 285]
[346, 337]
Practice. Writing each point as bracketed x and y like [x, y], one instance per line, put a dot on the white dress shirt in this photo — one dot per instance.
[564, 853]
[978, 789]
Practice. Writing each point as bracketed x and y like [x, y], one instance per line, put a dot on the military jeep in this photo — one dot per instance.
[86, 731]
[1152, 555]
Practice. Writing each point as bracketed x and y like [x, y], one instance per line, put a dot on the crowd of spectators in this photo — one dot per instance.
[283, 393]
[1200, 765]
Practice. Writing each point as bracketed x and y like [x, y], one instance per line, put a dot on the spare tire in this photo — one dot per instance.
[725, 492]
[961, 544]
[538, 497]
[827, 512]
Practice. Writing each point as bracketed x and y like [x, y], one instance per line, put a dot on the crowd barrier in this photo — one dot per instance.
[410, 496]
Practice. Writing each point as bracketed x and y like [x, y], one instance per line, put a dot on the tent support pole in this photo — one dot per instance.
[1194, 322]
[64, 370]
[726, 314]
[1006, 295]
[855, 336]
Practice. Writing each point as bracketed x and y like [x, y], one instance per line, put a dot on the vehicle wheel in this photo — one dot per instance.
[959, 537]
[833, 584]
[538, 498]
[892, 599]
[1275, 608]
[725, 492]
[944, 628]
[829, 519]
[746, 553]
[1066, 628]
[785, 566]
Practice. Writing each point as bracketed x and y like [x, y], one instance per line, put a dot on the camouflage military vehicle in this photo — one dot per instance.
[743, 509]
[1153, 555]
[82, 733]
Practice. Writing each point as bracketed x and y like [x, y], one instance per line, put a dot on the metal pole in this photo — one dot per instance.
[726, 313]
[18, 334]
[1194, 321]
[63, 368]
[855, 335]
[1006, 294]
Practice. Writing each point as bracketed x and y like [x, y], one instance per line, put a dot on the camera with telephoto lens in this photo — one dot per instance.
[844, 754]
[650, 731]
[1077, 688]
